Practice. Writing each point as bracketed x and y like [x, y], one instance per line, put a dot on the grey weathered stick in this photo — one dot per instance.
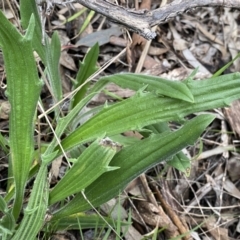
[142, 21]
[137, 21]
[169, 11]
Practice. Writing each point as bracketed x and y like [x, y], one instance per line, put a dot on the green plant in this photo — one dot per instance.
[101, 170]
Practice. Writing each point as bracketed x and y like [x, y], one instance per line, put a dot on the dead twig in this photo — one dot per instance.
[141, 21]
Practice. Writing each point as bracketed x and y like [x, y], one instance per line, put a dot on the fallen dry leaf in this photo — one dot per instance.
[4, 109]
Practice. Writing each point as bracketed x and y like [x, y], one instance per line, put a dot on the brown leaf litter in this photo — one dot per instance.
[203, 205]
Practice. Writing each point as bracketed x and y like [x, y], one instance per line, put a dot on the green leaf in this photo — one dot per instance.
[63, 123]
[4, 144]
[87, 21]
[83, 221]
[173, 89]
[146, 108]
[88, 167]
[23, 92]
[3, 205]
[87, 68]
[4, 232]
[134, 160]
[123, 140]
[192, 74]
[225, 67]
[50, 53]
[156, 128]
[7, 222]
[53, 52]
[75, 15]
[27, 9]
[34, 214]
[180, 162]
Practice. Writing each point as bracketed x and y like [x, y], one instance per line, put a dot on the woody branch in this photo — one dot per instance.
[141, 21]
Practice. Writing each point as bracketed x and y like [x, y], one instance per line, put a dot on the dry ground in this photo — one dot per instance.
[204, 200]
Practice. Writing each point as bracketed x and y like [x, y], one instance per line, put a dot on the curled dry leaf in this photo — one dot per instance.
[102, 37]
[115, 89]
[4, 109]
[233, 167]
[131, 233]
[67, 61]
[230, 187]
[180, 44]
[232, 114]
[216, 231]
[114, 209]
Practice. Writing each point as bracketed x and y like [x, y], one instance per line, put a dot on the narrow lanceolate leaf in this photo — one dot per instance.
[50, 53]
[180, 161]
[87, 68]
[27, 8]
[53, 51]
[34, 214]
[147, 108]
[63, 124]
[23, 93]
[81, 221]
[134, 160]
[173, 89]
[88, 167]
